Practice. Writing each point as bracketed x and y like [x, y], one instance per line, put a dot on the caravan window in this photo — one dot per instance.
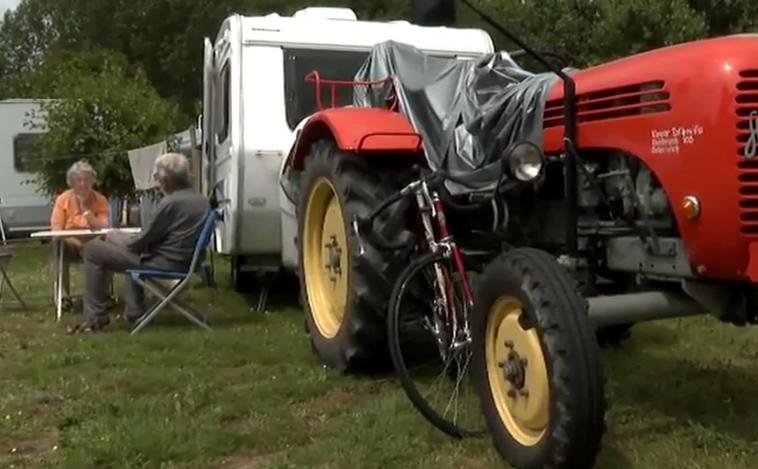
[222, 107]
[331, 64]
[25, 157]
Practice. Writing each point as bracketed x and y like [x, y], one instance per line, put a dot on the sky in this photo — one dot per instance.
[6, 4]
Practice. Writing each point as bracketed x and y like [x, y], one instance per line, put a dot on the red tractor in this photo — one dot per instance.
[468, 242]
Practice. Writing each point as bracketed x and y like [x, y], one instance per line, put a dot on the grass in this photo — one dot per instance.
[251, 394]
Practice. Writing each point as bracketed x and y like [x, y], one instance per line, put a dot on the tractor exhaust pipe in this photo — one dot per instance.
[640, 307]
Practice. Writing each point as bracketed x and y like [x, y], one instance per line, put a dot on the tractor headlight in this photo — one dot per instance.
[525, 161]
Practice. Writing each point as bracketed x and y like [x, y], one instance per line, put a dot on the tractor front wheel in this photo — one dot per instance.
[346, 282]
[537, 364]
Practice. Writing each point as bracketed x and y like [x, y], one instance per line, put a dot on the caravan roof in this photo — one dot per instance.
[338, 28]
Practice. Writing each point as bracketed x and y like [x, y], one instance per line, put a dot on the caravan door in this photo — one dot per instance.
[224, 172]
[208, 149]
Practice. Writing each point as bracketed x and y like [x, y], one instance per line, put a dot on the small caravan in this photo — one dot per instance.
[22, 208]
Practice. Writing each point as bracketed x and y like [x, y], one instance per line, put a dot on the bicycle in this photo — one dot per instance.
[437, 286]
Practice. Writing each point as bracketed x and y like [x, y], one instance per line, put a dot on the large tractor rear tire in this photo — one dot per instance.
[346, 283]
[537, 364]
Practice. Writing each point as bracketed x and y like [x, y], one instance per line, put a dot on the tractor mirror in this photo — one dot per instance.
[434, 12]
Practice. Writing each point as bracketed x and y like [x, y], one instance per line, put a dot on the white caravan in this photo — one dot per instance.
[22, 208]
[254, 97]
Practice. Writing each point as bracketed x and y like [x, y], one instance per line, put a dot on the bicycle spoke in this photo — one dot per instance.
[433, 364]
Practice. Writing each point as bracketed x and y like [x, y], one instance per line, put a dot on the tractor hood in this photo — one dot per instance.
[696, 62]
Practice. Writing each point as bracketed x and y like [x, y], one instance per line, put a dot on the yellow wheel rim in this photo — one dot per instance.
[517, 373]
[325, 258]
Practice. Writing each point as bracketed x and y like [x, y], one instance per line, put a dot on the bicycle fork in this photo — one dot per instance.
[446, 318]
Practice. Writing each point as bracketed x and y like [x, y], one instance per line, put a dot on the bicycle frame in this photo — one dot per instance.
[438, 239]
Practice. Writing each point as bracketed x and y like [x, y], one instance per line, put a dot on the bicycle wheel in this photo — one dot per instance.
[431, 355]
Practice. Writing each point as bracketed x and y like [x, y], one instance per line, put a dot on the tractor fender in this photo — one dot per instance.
[356, 130]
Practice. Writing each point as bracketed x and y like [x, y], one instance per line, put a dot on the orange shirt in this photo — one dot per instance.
[68, 213]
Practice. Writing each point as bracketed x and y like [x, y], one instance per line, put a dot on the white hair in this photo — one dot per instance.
[175, 167]
[80, 167]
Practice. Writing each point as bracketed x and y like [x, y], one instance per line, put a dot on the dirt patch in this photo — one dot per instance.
[233, 374]
[248, 422]
[36, 446]
[46, 397]
[245, 461]
[338, 399]
[318, 410]
[333, 400]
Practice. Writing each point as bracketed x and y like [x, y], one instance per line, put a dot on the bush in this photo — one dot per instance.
[97, 110]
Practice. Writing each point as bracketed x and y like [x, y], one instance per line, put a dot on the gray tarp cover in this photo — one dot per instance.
[468, 111]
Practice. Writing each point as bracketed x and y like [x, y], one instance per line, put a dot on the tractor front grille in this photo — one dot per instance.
[747, 105]
[612, 103]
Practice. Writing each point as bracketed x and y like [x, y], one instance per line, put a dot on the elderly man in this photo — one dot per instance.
[166, 243]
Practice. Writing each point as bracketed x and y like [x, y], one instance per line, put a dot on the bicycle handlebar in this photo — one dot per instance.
[435, 180]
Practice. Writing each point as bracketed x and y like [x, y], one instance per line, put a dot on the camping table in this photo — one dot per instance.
[57, 237]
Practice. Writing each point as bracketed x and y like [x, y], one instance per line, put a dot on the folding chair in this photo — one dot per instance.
[147, 279]
[3, 236]
[2, 232]
[5, 258]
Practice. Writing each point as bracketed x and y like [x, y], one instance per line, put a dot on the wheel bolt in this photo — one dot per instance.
[509, 344]
[524, 393]
[512, 394]
[501, 364]
[524, 362]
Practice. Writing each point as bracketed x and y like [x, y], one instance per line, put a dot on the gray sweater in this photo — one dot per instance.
[169, 239]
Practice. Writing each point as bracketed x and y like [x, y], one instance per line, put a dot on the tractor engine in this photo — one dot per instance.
[632, 196]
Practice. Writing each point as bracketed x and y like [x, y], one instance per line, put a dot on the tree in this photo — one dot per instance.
[728, 16]
[162, 37]
[29, 32]
[593, 31]
[98, 108]
[631, 26]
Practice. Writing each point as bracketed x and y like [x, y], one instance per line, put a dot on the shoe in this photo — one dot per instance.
[129, 318]
[89, 325]
[67, 305]
[132, 319]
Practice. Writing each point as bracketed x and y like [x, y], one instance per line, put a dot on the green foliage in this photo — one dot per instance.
[632, 26]
[101, 109]
[592, 31]
[728, 16]
[164, 37]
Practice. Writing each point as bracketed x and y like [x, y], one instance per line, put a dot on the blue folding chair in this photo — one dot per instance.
[146, 277]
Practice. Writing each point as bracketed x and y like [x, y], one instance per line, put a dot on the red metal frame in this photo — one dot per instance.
[315, 78]
[444, 233]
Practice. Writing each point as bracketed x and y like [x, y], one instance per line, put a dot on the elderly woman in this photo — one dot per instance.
[79, 207]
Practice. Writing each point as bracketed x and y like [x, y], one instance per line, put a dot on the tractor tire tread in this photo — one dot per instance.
[361, 344]
[578, 404]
